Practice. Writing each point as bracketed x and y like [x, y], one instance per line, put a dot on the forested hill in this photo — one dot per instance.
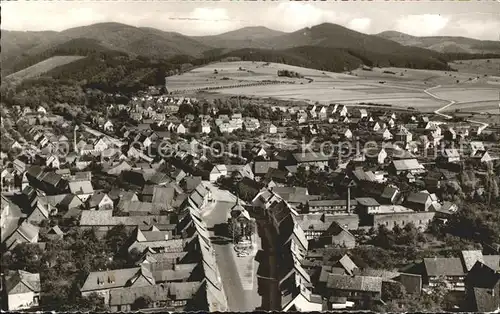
[119, 56]
[445, 44]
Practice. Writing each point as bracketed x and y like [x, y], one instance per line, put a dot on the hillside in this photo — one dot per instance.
[372, 50]
[112, 36]
[41, 68]
[314, 47]
[445, 44]
[247, 37]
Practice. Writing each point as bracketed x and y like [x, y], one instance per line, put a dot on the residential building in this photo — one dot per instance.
[22, 290]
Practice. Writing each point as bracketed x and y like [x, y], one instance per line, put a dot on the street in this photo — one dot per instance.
[232, 268]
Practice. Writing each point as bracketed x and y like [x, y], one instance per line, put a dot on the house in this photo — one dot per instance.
[482, 289]
[22, 290]
[180, 129]
[475, 147]
[367, 205]
[403, 135]
[316, 159]
[321, 112]
[377, 155]
[311, 110]
[24, 233]
[450, 134]
[301, 117]
[357, 289]
[409, 165]
[360, 113]
[41, 110]
[419, 201]
[217, 172]
[450, 269]
[205, 127]
[258, 151]
[173, 295]
[481, 156]
[390, 195]
[450, 155]
[52, 162]
[391, 216]
[108, 126]
[337, 235]
[55, 233]
[347, 133]
[41, 211]
[334, 207]
[272, 129]
[81, 188]
[100, 144]
[100, 201]
[261, 168]
[104, 281]
[342, 111]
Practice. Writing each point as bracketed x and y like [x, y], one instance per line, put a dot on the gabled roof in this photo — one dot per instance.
[354, 283]
[117, 278]
[418, 197]
[23, 282]
[407, 164]
[97, 198]
[347, 263]
[262, 167]
[310, 157]
[444, 266]
[81, 187]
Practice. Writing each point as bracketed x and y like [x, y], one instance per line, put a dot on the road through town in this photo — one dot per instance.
[239, 299]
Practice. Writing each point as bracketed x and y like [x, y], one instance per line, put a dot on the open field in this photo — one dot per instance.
[41, 67]
[405, 88]
[479, 66]
[477, 106]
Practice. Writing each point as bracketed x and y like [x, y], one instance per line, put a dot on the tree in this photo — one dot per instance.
[93, 303]
[25, 256]
[392, 290]
[143, 302]
[385, 238]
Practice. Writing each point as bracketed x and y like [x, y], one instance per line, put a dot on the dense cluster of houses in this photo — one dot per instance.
[176, 267]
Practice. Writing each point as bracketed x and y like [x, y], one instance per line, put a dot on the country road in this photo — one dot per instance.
[450, 103]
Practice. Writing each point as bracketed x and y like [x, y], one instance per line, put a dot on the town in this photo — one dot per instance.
[167, 201]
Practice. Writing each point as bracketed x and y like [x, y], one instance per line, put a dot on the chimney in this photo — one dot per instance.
[349, 199]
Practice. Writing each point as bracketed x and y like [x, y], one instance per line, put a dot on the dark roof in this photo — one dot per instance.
[262, 167]
[444, 266]
[310, 157]
[367, 201]
[354, 283]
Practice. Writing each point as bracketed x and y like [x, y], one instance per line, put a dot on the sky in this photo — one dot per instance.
[476, 19]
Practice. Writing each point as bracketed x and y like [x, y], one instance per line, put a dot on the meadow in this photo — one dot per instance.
[41, 67]
[398, 87]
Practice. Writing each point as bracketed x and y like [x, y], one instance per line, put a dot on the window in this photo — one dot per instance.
[36, 299]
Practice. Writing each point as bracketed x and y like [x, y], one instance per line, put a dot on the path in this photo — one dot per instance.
[484, 125]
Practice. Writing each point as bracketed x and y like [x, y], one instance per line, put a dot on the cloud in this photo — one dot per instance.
[360, 24]
[486, 28]
[422, 24]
